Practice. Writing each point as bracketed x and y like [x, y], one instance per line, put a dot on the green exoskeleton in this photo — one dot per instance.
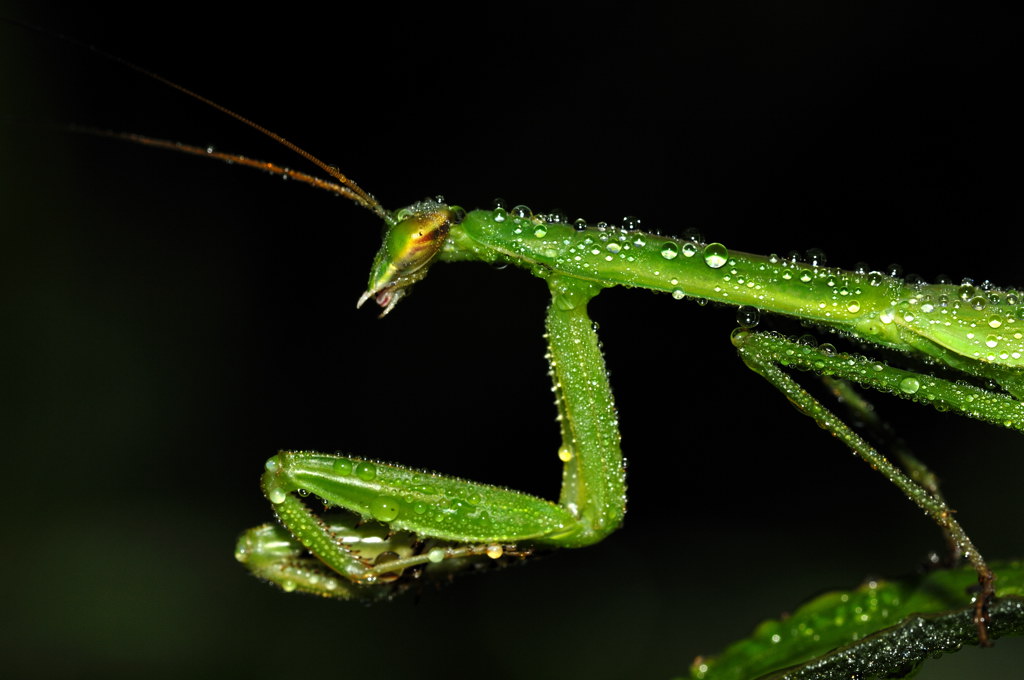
[355, 528]
[973, 336]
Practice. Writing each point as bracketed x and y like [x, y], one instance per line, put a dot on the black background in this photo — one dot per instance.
[169, 322]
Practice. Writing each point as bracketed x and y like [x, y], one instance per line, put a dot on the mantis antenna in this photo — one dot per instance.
[344, 187]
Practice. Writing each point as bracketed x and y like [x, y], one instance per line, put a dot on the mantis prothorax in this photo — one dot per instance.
[386, 526]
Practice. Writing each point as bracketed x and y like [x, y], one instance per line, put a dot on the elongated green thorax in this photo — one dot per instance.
[411, 243]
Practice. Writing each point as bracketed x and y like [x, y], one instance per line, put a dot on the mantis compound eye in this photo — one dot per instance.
[410, 245]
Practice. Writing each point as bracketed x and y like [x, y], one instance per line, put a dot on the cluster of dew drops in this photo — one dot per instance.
[615, 241]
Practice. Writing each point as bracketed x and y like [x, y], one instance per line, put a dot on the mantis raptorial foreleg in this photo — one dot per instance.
[433, 518]
[765, 353]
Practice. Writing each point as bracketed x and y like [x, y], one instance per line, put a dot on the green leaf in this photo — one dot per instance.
[882, 629]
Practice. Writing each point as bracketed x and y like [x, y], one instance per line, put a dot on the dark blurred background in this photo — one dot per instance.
[169, 322]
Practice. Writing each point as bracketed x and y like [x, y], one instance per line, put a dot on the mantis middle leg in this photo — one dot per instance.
[764, 353]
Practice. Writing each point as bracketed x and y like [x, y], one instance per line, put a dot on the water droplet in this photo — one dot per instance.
[715, 255]
[500, 214]
[669, 251]
[288, 586]
[613, 247]
[342, 467]
[678, 294]
[875, 278]
[565, 454]
[910, 385]
[738, 336]
[435, 555]
[366, 471]
[384, 508]
[495, 551]
[689, 249]
[995, 322]
[541, 231]
[978, 303]
[276, 496]
[522, 212]
[816, 256]
[853, 306]
[747, 316]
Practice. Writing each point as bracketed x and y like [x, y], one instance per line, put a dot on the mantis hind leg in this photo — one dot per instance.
[765, 353]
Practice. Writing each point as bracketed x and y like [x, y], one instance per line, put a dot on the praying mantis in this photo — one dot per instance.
[387, 581]
[425, 519]
[976, 332]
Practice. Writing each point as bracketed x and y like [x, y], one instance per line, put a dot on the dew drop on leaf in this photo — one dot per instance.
[715, 255]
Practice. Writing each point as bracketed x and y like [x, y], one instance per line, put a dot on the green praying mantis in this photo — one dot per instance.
[976, 333]
[971, 337]
[355, 528]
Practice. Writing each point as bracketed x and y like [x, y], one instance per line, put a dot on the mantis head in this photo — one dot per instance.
[414, 237]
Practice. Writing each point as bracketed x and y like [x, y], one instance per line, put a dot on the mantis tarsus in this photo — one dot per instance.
[451, 563]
